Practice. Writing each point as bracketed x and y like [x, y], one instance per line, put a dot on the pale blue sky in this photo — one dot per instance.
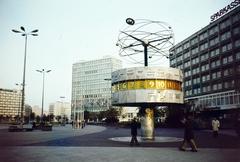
[72, 30]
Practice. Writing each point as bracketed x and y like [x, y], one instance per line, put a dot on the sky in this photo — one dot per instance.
[73, 30]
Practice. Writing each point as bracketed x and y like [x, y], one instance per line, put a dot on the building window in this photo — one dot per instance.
[173, 61]
[179, 49]
[194, 41]
[225, 72]
[228, 59]
[236, 30]
[203, 78]
[236, 18]
[195, 50]
[186, 45]
[187, 64]
[225, 36]
[237, 43]
[195, 91]
[186, 55]
[219, 86]
[204, 56]
[204, 46]
[227, 47]
[229, 84]
[213, 30]
[238, 69]
[204, 89]
[214, 41]
[214, 52]
[218, 63]
[213, 64]
[214, 75]
[215, 87]
[195, 70]
[219, 74]
[225, 23]
[228, 72]
[195, 60]
[238, 56]
[203, 36]
[208, 77]
[179, 58]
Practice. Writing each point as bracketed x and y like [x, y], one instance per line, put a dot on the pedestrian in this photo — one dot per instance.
[82, 124]
[134, 127]
[215, 127]
[79, 124]
[34, 125]
[188, 134]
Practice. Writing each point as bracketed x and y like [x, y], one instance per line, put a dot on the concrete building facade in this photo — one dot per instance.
[210, 61]
[91, 85]
[62, 109]
[10, 102]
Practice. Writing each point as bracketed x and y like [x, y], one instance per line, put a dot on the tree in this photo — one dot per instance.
[32, 116]
[44, 118]
[1, 118]
[51, 117]
[102, 115]
[58, 118]
[86, 115]
[174, 115]
[112, 115]
[38, 119]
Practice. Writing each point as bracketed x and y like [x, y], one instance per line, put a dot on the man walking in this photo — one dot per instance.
[134, 127]
[215, 127]
[188, 135]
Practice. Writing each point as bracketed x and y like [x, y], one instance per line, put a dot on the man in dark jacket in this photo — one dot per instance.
[134, 127]
[188, 134]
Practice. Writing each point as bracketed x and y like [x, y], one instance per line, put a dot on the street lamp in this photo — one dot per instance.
[43, 74]
[19, 99]
[25, 34]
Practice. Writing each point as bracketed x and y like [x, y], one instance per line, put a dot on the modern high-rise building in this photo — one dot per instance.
[210, 61]
[10, 102]
[91, 85]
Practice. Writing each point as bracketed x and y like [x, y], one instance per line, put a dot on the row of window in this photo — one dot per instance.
[205, 56]
[210, 88]
[221, 99]
[227, 59]
[211, 31]
[214, 75]
[205, 67]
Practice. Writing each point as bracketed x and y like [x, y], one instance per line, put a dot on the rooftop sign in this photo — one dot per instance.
[225, 10]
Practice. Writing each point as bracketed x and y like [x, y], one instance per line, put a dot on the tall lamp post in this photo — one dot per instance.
[25, 34]
[19, 100]
[43, 75]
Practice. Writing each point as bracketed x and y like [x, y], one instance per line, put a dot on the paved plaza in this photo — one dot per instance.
[94, 143]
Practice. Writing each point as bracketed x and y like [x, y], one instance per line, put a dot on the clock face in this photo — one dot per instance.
[156, 36]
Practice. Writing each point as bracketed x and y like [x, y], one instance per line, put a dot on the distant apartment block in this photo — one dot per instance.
[10, 102]
[36, 110]
[62, 109]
